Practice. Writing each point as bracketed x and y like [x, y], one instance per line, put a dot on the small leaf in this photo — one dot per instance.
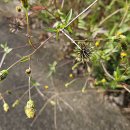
[117, 73]
[68, 17]
[123, 78]
[51, 30]
[35, 83]
[24, 59]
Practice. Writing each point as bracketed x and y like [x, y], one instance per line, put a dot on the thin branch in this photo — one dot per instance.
[125, 14]
[55, 117]
[128, 90]
[71, 108]
[81, 13]
[32, 52]
[2, 60]
[109, 16]
[70, 38]
[44, 106]
[106, 72]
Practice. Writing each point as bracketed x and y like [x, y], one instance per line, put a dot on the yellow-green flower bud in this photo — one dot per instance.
[3, 74]
[6, 107]
[30, 112]
[18, 9]
[15, 103]
[123, 54]
[103, 80]
[46, 86]
[30, 104]
[122, 37]
[30, 109]
[28, 71]
[97, 43]
[71, 75]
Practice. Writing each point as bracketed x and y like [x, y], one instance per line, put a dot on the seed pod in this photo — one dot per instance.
[30, 104]
[28, 71]
[18, 9]
[6, 107]
[30, 109]
[24, 3]
[30, 112]
[3, 74]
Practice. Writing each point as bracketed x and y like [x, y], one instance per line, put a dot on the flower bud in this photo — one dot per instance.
[30, 112]
[103, 80]
[15, 103]
[122, 37]
[97, 43]
[28, 71]
[3, 74]
[123, 54]
[71, 75]
[30, 103]
[18, 9]
[30, 109]
[6, 107]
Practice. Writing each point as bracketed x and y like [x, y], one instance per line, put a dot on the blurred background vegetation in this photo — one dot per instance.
[102, 32]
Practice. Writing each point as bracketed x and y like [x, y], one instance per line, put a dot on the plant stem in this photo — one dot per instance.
[28, 29]
[29, 87]
[70, 38]
[31, 53]
[62, 30]
[53, 34]
[29, 80]
[2, 60]
[81, 13]
[105, 70]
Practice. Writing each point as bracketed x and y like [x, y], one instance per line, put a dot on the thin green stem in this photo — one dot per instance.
[28, 29]
[29, 87]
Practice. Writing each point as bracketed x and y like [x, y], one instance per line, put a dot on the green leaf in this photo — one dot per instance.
[117, 73]
[52, 68]
[24, 59]
[51, 30]
[35, 83]
[6, 48]
[68, 17]
[123, 78]
[113, 84]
